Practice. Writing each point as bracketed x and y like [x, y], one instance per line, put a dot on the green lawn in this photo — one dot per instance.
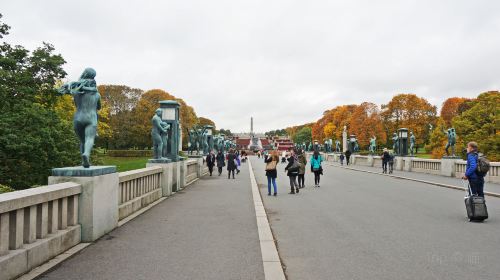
[126, 163]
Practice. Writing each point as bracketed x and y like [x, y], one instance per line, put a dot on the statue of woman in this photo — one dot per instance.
[87, 101]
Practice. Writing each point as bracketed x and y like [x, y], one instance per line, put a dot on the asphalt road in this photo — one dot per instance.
[207, 231]
[366, 226]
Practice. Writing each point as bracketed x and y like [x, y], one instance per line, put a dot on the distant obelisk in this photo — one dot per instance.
[251, 126]
[255, 143]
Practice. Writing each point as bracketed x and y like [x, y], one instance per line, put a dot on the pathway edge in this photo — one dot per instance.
[273, 269]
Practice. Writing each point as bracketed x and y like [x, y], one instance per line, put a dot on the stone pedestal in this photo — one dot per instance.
[98, 202]
[448, 166]
[200, 167]
[182, 174]
[398, 165]
[407, 164]
[166, 177]
[176, 175]
[159, 160]
[369, 160]
[344, 141]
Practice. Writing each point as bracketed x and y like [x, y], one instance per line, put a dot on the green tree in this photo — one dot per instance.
[480, 124]
[33, 138]
[303, 135]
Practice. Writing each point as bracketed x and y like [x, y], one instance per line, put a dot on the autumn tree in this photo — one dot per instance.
[206, 121]
[366, 122]
[480, 124]
[451, 108]
[409, 111]
[145, 109]
[437, 139]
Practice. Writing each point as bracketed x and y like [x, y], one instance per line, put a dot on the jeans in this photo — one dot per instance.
[301, 180]
[477, 186]
[293, 182]
[229, 173]
[273, 181]
[210, 169]
[384, 167]
[219, 168]
[317, 175]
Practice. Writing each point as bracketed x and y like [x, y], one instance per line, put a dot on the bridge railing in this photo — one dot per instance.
[137, 189]
[34, 220]
[430, 166]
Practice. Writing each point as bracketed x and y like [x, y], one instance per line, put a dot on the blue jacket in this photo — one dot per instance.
[316, 163]
[470, 170]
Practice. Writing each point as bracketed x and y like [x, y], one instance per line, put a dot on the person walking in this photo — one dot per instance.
[220, 162]
[210, 162]
[271, 172]
[316, 167]
[386, 157]
[342, 159]
[302, 169]
[231, 163]
[475, 178]
[292, 170]
[347, 156]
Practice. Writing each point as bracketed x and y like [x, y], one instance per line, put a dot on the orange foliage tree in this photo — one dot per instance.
[366, 122]
[451, 108]
[409, 111]
[145, 109]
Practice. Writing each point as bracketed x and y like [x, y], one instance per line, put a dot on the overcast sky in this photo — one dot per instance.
[282, 62]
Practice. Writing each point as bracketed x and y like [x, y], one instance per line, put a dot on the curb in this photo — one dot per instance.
[417, 180]
[273, 268]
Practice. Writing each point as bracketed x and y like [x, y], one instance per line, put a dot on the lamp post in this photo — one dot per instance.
[403, 141]
[210, 137]
[170, 115]
[352, 142]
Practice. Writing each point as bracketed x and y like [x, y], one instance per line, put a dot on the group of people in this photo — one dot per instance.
[295, 170]
[233, 158]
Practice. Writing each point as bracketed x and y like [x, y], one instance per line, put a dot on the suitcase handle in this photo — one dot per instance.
[468, 190]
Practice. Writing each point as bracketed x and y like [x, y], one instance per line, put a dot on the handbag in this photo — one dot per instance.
[295, 166]
[270, 166]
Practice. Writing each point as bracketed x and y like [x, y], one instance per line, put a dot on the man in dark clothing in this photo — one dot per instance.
[347, 156]
[220, 162]
[231, 163]
[293, 172]
[386, 157]
[210, 162]
[476, 180]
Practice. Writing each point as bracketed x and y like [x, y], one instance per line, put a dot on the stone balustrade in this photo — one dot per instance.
[36, 225]
[447, 166]
[429, 166]
[39, 223]
[137, 189]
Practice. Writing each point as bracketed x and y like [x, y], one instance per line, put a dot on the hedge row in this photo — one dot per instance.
[130, 153]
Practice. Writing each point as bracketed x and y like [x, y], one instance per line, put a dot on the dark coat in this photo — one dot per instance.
[210, 160]
[220, 160]
[270, 173]
[231, 165]
[291, 159]
[386, 157]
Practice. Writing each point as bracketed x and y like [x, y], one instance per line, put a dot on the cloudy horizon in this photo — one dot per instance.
[282, 62]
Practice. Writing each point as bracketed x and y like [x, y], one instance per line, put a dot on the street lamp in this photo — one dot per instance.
[403, 141]
[170, 115]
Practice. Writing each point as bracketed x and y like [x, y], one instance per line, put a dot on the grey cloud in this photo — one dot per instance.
[283, 62]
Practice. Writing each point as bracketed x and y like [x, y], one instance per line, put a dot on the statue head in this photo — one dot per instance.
[88, 73]
[158, 112]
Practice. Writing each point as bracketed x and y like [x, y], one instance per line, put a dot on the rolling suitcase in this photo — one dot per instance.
[475, 205]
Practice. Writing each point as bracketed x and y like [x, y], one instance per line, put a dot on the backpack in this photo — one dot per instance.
[483, 165]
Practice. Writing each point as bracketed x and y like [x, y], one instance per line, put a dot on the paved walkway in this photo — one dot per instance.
[366, 226]
[490, 187]
[207, 231]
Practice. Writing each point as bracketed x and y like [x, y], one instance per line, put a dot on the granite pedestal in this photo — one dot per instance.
[98, 202]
